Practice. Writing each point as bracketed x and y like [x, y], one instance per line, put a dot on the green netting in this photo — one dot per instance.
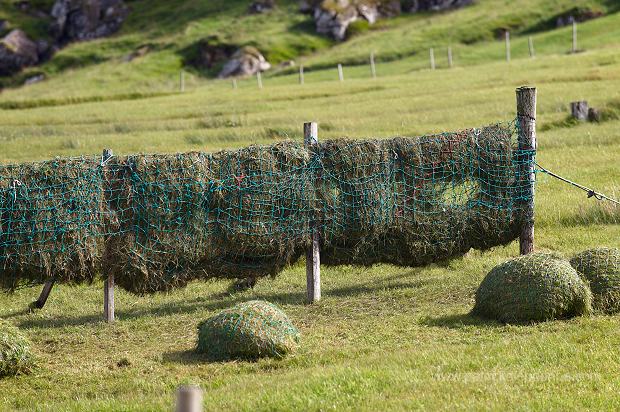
[158, 221]
[251, 330]
[601, 268]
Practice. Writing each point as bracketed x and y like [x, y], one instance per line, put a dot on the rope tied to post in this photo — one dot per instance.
[591, 192]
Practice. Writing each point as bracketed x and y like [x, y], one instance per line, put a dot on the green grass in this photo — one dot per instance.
[382, 337]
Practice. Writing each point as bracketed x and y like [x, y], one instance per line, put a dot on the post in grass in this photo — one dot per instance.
[432, 57]
[301, 74]
[189, 399]
[340, 73]
[182, 81]
[507, 46]
[313, 254]
[450, 56]
[234, 83]
[373, 71]
[526, 116]
[108, 284]
[574, 50]
[530, 45]
[259, 79]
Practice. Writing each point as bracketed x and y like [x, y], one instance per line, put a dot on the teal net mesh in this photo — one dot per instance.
[159, 221]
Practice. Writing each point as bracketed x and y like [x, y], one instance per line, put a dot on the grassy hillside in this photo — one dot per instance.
[383, 337]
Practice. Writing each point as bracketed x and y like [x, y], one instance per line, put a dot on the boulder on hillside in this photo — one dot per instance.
[16, 52]
[86, 19]
[206, 53]
[332, 17]
[261, 6]
[245, 62]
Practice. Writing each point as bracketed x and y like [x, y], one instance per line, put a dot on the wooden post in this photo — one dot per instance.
[526, 116]
[450, 56]
[574, 37]
[530, 44]
[234, 83]
[182, 81]
[507, 46]
[313, 254]
[432, 56]
[259, 79]
[45, 293]
[340, 72]
[373, 71]
[301, 74]
[108, 284]
[189, 399]
[579, 110]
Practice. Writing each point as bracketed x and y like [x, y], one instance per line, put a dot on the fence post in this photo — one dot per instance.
[526, 116]
[340, 73]
[432, 56]
[189, 399]
[301, 74]
[450, 56]
[574, 36]
[45, 293]
[373, 71]
[234, 83]
[313, 254]
[530, 44]
[259, 79]
[182, 81]
[507, 46]
[108, 284]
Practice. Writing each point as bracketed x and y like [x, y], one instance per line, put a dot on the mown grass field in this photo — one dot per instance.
[382, 337]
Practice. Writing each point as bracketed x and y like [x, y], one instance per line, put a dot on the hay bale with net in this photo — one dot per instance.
[249, 330]
[234, 214]
[15, 355]
[601, 268]
[50, 222]
[532, 288]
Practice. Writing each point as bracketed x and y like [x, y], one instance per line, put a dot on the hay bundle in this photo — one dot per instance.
[50, 221]
[601, 268]
[15, 356]
[411, 202]
[249, 330]
[234, 214]
[532, 288]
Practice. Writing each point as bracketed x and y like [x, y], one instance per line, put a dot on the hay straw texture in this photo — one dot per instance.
[248, 330]
[15, 356]
[601, 268]
[157, 222]
[532, 288]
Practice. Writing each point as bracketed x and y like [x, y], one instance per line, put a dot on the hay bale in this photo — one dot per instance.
[532, 288]
[601, 268]
[249, 330]
[50, 222]
[15, 356]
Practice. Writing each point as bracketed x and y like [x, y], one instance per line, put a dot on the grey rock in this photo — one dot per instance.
[16, 52]
[334, 21]
[86, 19]
[34, 79]
[245, 62]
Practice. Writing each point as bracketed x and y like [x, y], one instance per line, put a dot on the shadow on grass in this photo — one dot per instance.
[221, 300]
[459, 321]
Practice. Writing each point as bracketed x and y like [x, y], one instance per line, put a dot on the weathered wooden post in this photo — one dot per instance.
[432, 57]
[526, 116]
[507, 46]
[301, 74]
[45, 293]
[313, 254]
[259, 79]
[189, 399]
[340, 73]
[530, 46]
[108, 284]
[574, 37]
[579, 110]
[182, 81]
[450, 56]
[373, 71]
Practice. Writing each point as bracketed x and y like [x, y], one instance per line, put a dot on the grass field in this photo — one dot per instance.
[382, 337]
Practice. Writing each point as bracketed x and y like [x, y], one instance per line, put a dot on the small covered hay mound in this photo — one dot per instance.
[249, 330]
[15, 356]
[532, 288]
[601, 268]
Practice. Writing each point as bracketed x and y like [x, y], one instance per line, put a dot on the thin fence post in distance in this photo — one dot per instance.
[340, 72]
[432, 56]
[234, 83]
[301, 74]
[530, 45]
[450, 56]
[259, 79]
[574, 37]
[526, 116]
[373, 71]
[507, 46]
[313, 253]
[182, 81]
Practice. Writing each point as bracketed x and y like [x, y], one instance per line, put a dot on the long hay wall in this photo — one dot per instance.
[159, 221]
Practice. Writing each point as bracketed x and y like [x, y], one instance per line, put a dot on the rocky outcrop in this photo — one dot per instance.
[16, 52]
[245, 62]
[333, 17]
[208, 52]
[86, 19]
